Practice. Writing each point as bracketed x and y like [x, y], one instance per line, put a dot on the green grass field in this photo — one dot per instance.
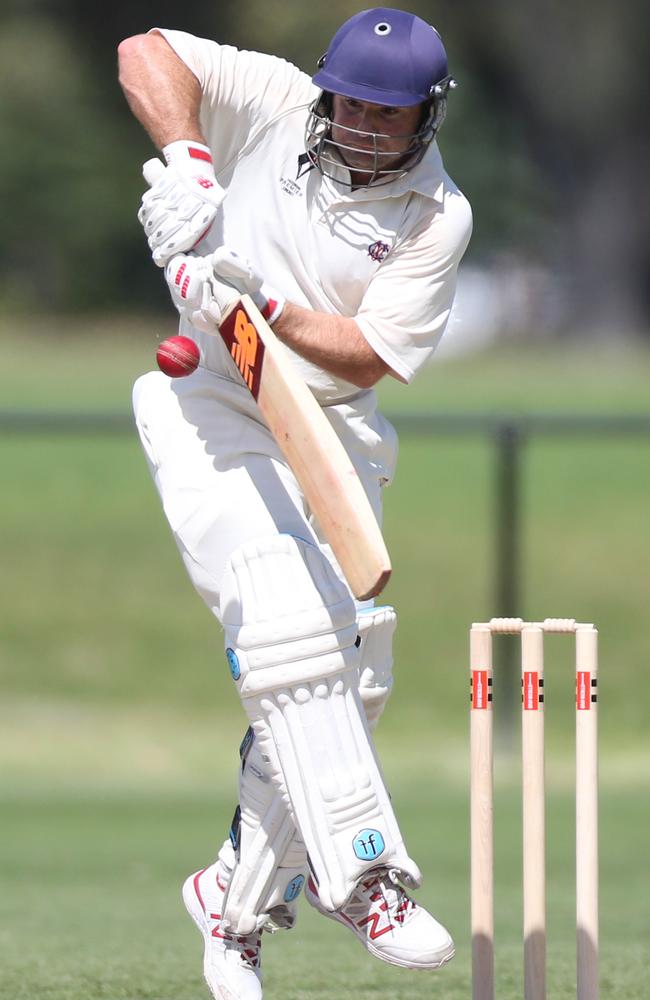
[91, 906]
[119, 724]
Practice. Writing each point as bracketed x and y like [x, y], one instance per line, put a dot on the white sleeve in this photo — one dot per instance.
[407, 304]
[241, 90]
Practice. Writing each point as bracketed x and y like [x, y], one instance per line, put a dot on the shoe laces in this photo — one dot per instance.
[384, 892]
[246, 947]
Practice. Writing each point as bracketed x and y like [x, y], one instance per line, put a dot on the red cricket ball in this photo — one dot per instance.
[178, 356]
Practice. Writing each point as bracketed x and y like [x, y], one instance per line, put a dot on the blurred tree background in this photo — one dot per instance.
[546, 135]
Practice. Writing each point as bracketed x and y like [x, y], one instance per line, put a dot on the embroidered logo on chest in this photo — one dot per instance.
[378, 251]
[290, 187]
[304, 166]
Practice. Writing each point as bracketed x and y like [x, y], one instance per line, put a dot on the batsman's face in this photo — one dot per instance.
[364, 131]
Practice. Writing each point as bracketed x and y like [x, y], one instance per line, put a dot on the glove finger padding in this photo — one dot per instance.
[199, 297]
[174, 218]
[239, 271]
[233, 267]
[178, 210]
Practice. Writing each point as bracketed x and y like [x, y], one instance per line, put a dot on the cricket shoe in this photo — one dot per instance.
[231, 964]
[389, 924]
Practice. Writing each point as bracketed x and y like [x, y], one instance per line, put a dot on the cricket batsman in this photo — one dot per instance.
[325, 199]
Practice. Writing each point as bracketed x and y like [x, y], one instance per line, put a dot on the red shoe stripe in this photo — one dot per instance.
[197, 890]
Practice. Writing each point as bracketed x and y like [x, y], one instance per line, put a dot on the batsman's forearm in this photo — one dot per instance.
[334, 343]
[163, 94]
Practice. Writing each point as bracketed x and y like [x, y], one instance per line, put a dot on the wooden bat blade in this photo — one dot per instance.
[311, 447]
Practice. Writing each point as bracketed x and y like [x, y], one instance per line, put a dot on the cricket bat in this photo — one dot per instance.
[311, 447]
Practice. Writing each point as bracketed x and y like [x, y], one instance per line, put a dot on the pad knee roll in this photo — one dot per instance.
[287, 617]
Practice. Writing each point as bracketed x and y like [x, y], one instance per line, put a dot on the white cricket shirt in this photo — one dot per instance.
[386, 256]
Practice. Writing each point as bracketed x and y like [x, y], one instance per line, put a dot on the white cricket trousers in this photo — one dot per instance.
[221, 477]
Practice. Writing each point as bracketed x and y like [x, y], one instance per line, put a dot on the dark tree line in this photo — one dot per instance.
[546, 135]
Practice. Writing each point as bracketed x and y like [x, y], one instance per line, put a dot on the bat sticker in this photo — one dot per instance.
[246, 348]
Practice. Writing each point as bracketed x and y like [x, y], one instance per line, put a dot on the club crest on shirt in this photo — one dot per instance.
[378, 251]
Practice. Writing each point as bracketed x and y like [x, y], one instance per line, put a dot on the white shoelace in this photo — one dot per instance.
[247, 948]
[385, 890]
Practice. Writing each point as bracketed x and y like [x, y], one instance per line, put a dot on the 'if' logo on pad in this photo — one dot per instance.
[368, 845]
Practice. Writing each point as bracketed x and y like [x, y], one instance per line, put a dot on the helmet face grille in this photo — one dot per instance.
[329, 154]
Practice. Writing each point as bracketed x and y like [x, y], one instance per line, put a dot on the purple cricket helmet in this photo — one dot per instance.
[384, 56]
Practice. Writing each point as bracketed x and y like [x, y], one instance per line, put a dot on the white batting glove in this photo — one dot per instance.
[179, 208]
[198, 296]
[204, 288]
[239, 272]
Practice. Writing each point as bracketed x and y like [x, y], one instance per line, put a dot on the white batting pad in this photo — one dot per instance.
[269, 860]
[291, 639]
[269, 863]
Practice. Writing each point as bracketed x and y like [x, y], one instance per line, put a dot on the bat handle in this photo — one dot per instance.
[152, 170]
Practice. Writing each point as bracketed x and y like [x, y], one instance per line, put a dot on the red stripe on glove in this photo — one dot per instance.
[199, 154]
